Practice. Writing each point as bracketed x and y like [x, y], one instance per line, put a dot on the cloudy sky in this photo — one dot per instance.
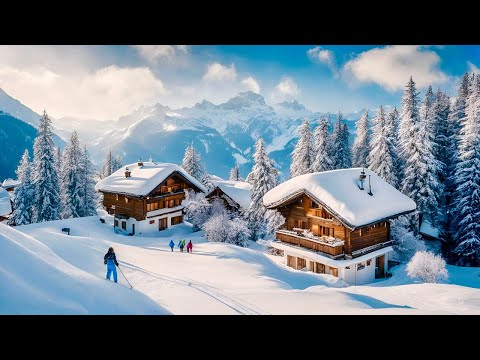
[105, 82]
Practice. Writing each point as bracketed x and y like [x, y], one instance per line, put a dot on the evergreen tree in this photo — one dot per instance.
[87, 180]
[70, 179]
[23, 194]
[192, 164]
[341, 154]
[117, 163]
[107, 165]
[262, 181]
[302, 155]
[467, 179]
[361, 145]
[382, 157]
[44, 173]
[235, 173]
[420, 168]
[321, 160]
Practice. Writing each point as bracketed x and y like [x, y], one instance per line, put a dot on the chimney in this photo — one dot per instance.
[127, 172]
[362, 179]
[140, 163]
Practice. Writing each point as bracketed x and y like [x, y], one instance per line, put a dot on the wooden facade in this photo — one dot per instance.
[302, 213]
[228, 202]
[168, 194]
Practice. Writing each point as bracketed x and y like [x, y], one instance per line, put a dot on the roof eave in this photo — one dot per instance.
[330, 210]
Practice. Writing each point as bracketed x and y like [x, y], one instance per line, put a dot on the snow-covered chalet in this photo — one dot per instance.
[5, 204]
[236, 195]
[147, 196]
[337, 222]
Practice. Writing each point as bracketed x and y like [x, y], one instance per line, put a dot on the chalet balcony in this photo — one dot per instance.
[327, 245]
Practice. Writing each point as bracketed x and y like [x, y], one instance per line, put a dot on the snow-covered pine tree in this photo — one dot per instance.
[23, 194]
[430, 188]
[274, 174]
[44, 173]
[361, 145]
[117, 163]
[467, 178]
[457, 113]
[197, 209]
[87, 180]
[58, 159]
[382, 157]
[192, 164]
[302, 154]
[107, 165]
[341, 155]
[235, 173]
[321, 145]
[249, 178]
[262, 181]
[70, 179]
[419, 173]
[274, 221]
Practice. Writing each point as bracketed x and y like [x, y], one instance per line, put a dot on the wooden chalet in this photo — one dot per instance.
[146, 196]
[236, 195]
[337, 222]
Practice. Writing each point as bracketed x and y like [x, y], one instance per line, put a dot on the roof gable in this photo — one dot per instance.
[338, 192]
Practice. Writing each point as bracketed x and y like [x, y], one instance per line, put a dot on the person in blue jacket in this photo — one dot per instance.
[111, 261]
[171, 244]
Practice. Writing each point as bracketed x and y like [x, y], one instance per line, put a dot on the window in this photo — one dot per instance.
[347, 267]
[116, 196]
[151, 222]
[326, 231]
[171, 203]
[126, 199]
[124, 225]
[369, 262]
[314, 205]
[360, 266]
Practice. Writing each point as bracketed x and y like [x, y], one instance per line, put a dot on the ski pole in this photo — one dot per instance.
[131, 287]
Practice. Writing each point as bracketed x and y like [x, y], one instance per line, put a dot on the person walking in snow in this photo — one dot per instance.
[189, 246]
[111, 261]
[171, 244]
[181, 245]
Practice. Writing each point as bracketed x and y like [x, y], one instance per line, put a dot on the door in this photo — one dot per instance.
[177, 220]
[301, 263]
[292, 261]
[380, 267]
[133, 229]
[124, 225]
[320, 268]
[315, 230]
[162, 224]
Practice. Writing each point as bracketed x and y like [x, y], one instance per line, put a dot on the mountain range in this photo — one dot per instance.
[223, 133]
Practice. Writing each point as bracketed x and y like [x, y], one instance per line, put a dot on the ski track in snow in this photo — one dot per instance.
[239, 306]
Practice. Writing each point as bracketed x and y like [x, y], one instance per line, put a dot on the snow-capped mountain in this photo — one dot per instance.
[223, 133]
[15, 108]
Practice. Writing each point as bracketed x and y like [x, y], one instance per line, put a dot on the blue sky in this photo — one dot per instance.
[105, 82]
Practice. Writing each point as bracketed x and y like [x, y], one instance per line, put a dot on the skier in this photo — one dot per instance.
[181, 245]
[189, 246]
[111, 260]
[171, 244]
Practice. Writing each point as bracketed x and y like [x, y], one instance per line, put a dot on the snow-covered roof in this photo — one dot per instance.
[8, 183]
[5, 204]
[143, 179]
[427, 229]
[338, 192]
[238, 191]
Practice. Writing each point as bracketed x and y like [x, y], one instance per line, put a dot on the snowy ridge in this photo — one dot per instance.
[239, 191]
[143, 179]
[338, 191]
[53, 286]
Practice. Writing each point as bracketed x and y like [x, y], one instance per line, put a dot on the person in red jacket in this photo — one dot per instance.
[189, 246]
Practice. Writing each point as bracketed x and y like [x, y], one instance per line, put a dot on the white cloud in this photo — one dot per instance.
[392, 66]
[106, 93]
[251, 84]
[219, 72]
[323, 56]
[154, 53]
[473, 68]
[285, 90]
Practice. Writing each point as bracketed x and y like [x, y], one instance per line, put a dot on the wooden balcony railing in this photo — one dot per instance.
[333, 249]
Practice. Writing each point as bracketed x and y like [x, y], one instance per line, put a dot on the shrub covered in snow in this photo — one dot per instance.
[222, 228]
[405, 243]
[197, 209]
[274, 220]
[430, 268]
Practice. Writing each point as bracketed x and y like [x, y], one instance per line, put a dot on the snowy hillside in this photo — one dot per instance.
[35, 280]
[15, 108]
[216, 279]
